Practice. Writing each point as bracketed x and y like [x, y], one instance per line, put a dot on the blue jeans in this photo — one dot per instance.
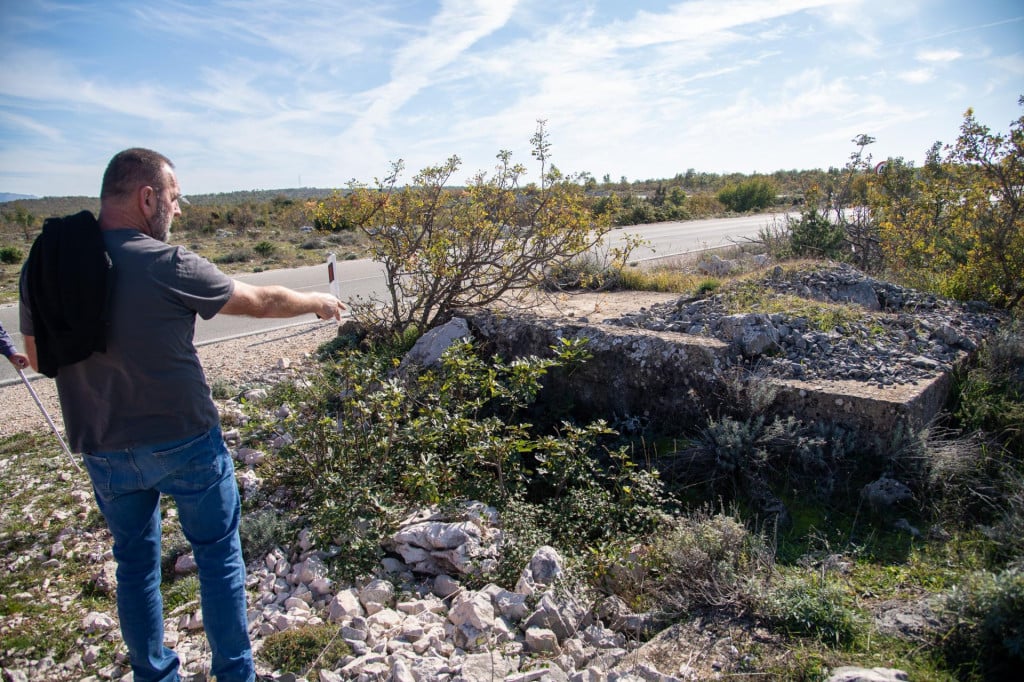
[199, 474]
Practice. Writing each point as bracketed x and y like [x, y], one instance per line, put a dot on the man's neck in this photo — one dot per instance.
[114, 218]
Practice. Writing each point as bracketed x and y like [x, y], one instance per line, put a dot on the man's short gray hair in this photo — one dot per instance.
[131, 169]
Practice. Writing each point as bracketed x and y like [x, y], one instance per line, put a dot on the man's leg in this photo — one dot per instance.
[204, 488]
[133, 516]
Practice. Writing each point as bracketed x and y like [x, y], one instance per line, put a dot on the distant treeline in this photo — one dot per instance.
[691, 194]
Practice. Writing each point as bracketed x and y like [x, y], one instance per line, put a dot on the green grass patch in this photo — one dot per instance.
[657, 279]
[819, 607]
[180, 592]
[297, 650]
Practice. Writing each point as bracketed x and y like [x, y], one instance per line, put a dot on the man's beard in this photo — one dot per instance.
[160, 224]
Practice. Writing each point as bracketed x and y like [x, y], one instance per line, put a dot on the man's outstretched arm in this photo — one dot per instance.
[278, 301]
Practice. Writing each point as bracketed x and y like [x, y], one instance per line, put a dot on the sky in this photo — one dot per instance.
[274, 94]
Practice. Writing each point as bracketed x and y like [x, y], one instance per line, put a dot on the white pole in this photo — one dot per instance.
[46, 414]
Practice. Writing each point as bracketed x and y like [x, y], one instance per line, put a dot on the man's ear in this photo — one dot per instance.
[146, 197]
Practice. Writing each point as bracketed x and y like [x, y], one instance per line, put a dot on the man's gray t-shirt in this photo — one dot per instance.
[148, 387]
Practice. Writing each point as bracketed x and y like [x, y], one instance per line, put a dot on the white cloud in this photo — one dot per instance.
[32, 126]
[941, 56]
[916, 76]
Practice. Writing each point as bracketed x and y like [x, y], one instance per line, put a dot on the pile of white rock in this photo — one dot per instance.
[426, 626]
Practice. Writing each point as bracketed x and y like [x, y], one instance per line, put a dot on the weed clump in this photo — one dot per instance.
[300, 649]
[813, 607]
[984, 618]
[708, 560]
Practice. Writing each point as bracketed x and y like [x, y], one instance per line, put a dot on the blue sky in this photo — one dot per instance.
[269, 94]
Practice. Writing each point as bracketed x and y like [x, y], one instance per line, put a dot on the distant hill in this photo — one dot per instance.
[7, 196]
[51, 206]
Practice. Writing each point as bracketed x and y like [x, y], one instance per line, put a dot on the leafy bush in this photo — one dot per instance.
[11, 255]
[984, 635]
[955, 224]
[756, 193]
[370, 445]
[637, 211]
[444, 249]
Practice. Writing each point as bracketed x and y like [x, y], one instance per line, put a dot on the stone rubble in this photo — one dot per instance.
[432, 628]
[903, 335]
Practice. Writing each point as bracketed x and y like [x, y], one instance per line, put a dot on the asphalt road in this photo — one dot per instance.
[364, 277]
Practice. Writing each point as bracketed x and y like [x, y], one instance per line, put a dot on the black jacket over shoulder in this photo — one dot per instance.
[68, 277]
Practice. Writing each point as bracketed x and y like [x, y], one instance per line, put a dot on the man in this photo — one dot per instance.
[141, 414]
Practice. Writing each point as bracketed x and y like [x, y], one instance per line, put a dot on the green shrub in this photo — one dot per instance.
[524, 529]
[813, 234]
[812, 607]
[369, 449]
[184, 590]
[708, 286]
[756, 193]
[265, 248]
[303, 650]
[221, 389]
[261, 532]
[11, 255]
[984, 618]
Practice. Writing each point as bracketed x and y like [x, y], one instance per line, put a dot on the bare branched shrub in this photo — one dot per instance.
[708, 559]
[444, 249]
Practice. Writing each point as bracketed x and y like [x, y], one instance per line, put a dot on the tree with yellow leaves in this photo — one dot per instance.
[956, 226]
[445, 247]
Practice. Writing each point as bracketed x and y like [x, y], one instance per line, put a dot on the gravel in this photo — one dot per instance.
[893, 336]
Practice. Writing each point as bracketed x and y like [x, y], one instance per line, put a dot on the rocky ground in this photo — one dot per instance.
[401, 626]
